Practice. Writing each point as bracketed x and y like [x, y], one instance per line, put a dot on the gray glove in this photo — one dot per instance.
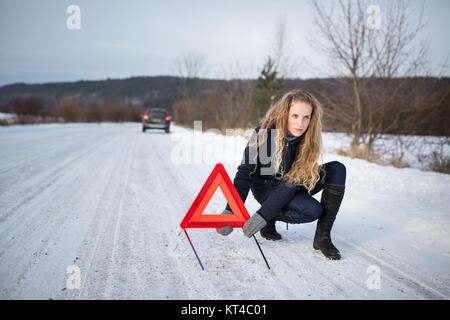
[253, 225]
[227, 229]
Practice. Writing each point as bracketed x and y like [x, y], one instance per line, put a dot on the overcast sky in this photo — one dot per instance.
[119, 39]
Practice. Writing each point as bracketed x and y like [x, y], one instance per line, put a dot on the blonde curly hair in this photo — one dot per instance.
[305, 169]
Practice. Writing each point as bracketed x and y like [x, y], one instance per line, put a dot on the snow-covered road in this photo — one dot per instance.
[104, 202]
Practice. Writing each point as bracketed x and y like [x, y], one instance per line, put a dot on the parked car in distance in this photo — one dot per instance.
[156, 118]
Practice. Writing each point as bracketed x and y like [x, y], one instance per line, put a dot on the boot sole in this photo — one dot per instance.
[271, 238]
[327, 256]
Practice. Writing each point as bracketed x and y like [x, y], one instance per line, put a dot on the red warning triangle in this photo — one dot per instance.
[195, 218]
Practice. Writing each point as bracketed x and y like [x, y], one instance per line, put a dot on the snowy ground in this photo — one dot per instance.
[105, 201]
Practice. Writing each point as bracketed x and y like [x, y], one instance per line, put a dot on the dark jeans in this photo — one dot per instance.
[303, 206]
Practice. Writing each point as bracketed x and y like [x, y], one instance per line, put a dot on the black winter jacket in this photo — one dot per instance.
[247, 177]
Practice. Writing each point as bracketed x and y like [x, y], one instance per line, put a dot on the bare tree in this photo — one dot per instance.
[28, 108]
[66, 108]
[189, 68]
[281, 49]
[374, 53]
[238, 98]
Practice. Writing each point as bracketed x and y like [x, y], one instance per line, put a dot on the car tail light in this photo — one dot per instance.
[167, 118]
[145, 117]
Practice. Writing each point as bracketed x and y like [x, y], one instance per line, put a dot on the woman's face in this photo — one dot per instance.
[299, 118]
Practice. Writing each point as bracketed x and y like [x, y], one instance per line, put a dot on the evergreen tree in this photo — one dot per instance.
[268, 87]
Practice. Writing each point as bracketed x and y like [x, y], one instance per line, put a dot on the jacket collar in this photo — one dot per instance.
[293, 139]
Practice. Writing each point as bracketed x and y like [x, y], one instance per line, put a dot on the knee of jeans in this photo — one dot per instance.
[338, 166]
[310, 214]
[338, 171]
[315, 211]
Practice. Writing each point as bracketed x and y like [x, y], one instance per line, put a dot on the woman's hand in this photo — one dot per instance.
[253, 225]
[227, 229]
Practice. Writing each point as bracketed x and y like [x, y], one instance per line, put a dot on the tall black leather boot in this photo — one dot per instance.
[269, 231]
[332, 196]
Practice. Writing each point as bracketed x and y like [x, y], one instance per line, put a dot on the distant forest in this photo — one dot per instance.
[220, 103]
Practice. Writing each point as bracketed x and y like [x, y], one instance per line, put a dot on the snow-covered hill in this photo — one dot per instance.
[93, 211]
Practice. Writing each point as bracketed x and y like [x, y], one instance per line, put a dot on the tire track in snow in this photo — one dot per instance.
[23, 212]
[166, 228]
[396, 274]
[96, 254]
[54, 143]
[112, 274]
[333, 274]
[40, 229]
[47, 179]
